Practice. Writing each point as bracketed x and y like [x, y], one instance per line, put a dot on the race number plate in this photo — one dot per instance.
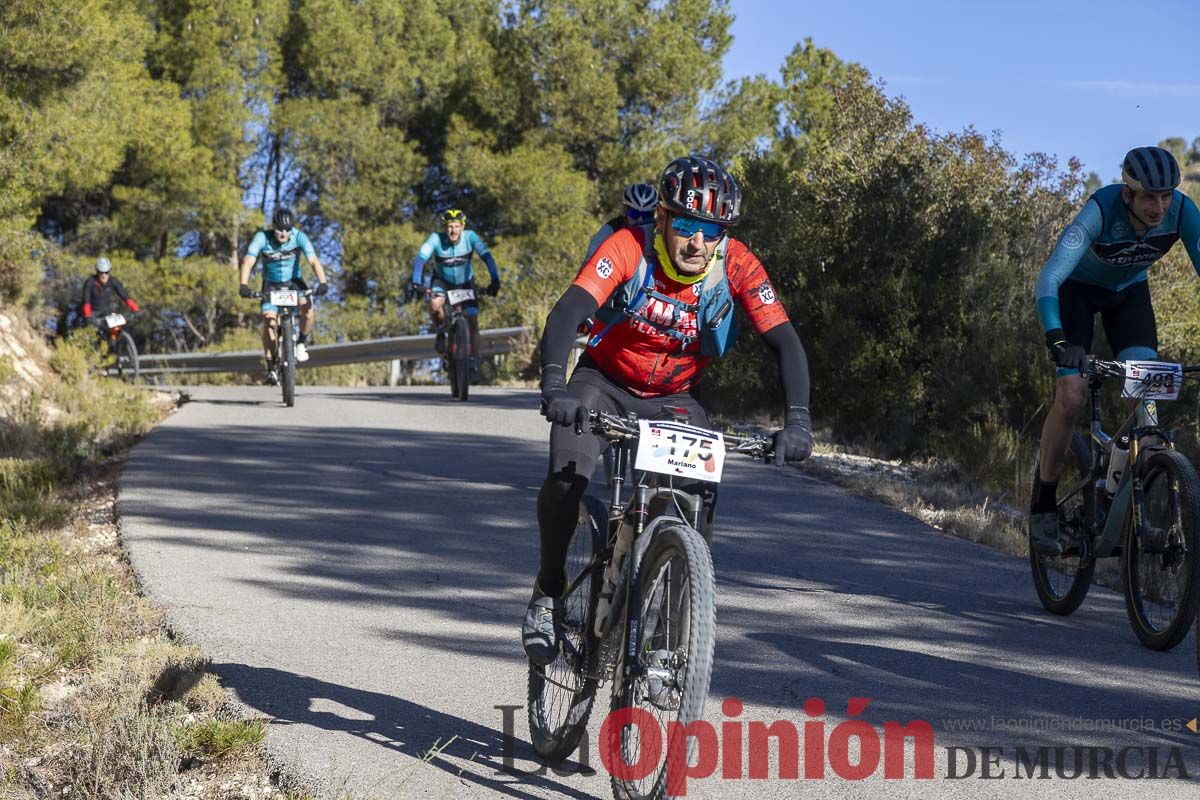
[1152, 380]
[456, 296]
[287, 297]
[672, 448]
[114, 320]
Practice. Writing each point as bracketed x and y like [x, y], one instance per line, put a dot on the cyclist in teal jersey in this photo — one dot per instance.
[449, 256]
[1100, 265]
[279, 249]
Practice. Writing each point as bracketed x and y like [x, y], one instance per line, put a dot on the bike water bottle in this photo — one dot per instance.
[1116, 464]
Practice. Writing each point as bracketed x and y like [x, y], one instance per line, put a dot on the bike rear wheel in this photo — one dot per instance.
[561, 694]
[1063, 581]
[460, 356]
[127, 357]
[1159, 571]
[287, 365]
[678, 629]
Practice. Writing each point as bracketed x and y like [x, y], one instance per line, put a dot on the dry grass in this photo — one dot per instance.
[96, 700]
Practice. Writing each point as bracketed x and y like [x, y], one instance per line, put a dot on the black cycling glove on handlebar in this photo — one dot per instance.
[321, 289]
[558, 404]
[245, 291]
[795, 442]
[1063, 353]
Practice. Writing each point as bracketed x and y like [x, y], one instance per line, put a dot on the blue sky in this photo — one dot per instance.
[1088, 79]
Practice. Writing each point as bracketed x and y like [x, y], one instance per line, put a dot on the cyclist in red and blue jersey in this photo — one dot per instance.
[668, 293]
[279, 249]
[1100, 266]
[449, 256]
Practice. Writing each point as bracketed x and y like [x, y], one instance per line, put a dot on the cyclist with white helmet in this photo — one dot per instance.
[640, 200]
[279, 249]
[98, 291]
[1100, 266]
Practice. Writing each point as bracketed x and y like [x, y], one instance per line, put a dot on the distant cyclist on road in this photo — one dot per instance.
[640, 200]
[279, 250]
[1099, 266]
[670, 289]
[449, 256]
[98, 291]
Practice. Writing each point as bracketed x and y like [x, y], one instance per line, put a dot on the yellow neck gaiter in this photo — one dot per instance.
[660, 249]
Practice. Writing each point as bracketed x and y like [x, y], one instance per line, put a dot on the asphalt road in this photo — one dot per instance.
[356, 567]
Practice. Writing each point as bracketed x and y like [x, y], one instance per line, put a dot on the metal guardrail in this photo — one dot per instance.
[395, 348]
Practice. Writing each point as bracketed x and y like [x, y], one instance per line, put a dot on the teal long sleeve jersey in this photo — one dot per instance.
[1100, 248]
[452, 262]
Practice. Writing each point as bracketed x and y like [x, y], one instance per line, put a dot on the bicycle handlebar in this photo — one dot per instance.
[616, 428]
[1116, 369]
[263, 295]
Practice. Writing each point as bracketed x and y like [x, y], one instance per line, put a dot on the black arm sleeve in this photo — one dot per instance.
[562, 327]
[793, 363]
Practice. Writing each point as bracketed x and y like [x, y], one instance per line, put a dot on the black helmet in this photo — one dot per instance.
[699, 188]
[284, 219]
[1150, 169]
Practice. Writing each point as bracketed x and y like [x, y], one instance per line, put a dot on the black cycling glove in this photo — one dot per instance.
[558, 404]
[321, 289]
[493, 288]
[1063, 353]
[795, 442]
[245, 291]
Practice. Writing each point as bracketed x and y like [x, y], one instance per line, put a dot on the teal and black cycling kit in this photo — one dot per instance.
[1100, 266]
[280, 262]
[451, 263]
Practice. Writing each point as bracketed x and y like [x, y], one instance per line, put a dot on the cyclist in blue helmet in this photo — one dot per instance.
[1100, 266]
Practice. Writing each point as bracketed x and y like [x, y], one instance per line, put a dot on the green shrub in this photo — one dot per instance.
[217, 739]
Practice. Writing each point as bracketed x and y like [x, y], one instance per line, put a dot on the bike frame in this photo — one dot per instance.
[647, 487]
[1104, 531]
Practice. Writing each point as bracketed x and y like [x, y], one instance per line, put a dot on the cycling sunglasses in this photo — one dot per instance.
[638, 217]
[687, 227]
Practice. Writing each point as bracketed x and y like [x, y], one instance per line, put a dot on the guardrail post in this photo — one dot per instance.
[394, 378]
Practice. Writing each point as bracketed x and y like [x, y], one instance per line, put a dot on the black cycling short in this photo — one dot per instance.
[1127, 315]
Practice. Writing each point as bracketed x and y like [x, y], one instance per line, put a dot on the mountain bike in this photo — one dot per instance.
[640, 600]
[120, 346]
[1146, 511]
[288, 299]
[458, 340]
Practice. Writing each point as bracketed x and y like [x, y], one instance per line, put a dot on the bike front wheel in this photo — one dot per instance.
[1063, 581]
[561, 694]
[669, 684]
[1161, 564]
[287, 356]
[127, 357]
[460, 356]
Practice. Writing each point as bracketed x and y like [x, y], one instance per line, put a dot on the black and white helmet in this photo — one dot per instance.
[699, 188]
[283, 220]
[640, 197]
[1150, 169]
